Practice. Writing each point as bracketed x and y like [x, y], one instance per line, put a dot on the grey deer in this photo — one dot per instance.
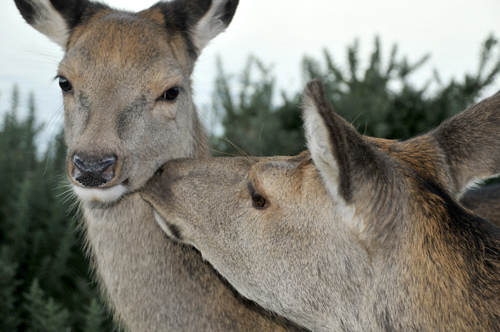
[128, 108]
[356, 234]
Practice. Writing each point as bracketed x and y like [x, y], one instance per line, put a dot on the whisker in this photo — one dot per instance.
[237, 148]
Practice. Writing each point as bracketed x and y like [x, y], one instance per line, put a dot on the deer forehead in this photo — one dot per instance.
[290, 179]
[125, 46]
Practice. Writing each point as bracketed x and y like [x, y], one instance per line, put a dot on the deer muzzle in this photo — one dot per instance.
[93, 172]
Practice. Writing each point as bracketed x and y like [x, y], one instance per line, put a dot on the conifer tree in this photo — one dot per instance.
[45, 283]
[380, 100]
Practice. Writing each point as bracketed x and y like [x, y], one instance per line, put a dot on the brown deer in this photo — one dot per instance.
[125, 80]
[358, 233]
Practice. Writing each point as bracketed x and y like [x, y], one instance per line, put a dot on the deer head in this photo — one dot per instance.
[357, 233]
[125, 81]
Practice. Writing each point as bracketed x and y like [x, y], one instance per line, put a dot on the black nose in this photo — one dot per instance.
[91, 173]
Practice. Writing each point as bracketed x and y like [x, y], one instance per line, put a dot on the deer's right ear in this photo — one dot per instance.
[345, 160]
[56, 18]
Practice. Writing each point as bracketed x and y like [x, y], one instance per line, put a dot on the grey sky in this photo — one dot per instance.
[279, 32]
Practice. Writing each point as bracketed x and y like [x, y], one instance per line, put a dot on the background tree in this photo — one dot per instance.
[380, 101]
[253, 123]
[44, 277]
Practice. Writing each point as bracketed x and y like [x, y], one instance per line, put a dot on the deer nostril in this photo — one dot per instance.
[94, 174]
[93, 167]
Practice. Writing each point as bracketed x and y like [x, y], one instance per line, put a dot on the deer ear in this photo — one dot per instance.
[344, 159]
[213, 22]
[56, 18]
[199, 20]
[470, 142]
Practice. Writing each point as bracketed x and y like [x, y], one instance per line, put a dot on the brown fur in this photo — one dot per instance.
[119, 64]
[359, 234]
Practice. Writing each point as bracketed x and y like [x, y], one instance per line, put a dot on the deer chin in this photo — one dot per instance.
[101, 195]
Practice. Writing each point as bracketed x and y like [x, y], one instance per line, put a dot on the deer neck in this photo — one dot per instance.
[155, 284]
[433, 277]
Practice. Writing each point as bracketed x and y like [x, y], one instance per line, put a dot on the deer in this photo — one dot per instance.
[125, 79]
[354, 234]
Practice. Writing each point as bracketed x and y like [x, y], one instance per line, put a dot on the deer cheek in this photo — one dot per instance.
[166, 109]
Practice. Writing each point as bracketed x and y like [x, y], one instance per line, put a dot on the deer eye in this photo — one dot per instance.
[171, 94]
[258, 201]
[65, 84]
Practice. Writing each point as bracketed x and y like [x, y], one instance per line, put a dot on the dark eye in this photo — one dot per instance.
[170, 94]
[65, 84]
[258, 201]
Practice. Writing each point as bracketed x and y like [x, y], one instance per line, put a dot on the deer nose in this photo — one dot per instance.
[91, 173]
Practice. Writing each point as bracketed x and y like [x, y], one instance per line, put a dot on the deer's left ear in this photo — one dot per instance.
[346, 161]
[199, 20]
[213, 22]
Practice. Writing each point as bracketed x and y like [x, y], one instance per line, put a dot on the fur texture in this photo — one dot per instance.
[409, 257]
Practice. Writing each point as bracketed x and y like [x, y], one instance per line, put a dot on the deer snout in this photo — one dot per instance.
[93, 172]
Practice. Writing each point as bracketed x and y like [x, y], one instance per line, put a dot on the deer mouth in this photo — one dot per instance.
[101, 194]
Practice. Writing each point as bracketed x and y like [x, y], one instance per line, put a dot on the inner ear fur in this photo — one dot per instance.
[57, 18]
[199, 21]
[346, 160]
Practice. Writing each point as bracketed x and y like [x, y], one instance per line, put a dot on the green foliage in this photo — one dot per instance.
[380, 100]
[44, 315]
[252, 122]
[8, 285]
[44, 276]
[94, 318]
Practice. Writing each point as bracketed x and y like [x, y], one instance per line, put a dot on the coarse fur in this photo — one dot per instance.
[118, 66]
[356, 234]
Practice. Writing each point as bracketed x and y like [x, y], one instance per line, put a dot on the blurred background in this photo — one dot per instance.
[392, 68]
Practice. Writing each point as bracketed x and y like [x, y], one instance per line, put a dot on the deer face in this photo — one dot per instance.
[128, 105]
[259, 221]
[125, 79]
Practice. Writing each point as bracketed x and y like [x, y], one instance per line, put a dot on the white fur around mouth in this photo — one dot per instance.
[103, 195]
